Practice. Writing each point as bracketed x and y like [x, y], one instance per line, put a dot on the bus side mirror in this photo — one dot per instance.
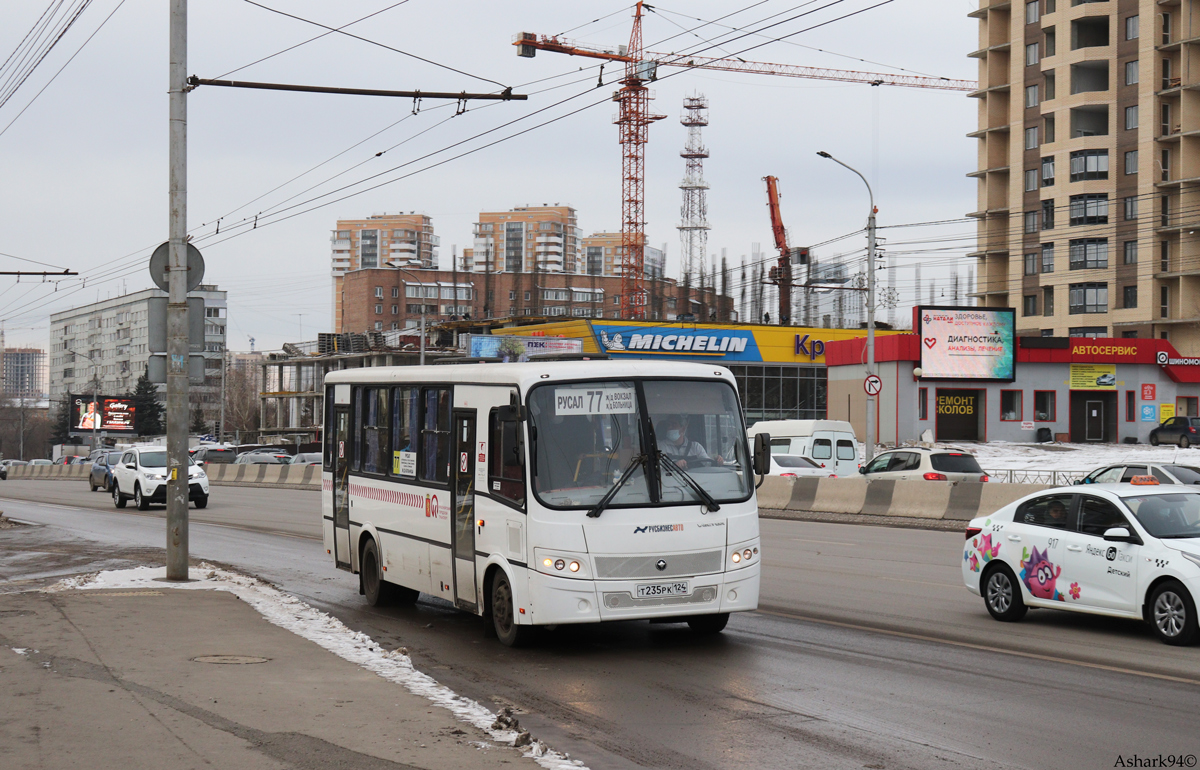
[511, 413]
[762, 454]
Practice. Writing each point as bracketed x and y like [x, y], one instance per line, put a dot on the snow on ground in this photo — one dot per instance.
[1002, 455]
[294, 615]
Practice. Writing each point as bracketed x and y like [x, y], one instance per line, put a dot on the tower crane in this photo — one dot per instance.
[634, 119]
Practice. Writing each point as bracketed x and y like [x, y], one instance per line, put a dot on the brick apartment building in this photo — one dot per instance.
[385, 299]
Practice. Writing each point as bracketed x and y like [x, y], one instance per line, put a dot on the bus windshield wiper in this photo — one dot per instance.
[669, 467]
[598, 509]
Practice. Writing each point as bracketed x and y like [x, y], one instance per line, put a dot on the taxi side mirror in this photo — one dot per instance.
[762, 454]
[1120, 535]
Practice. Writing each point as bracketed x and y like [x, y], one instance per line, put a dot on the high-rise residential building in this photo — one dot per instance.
[602, 254]
[1089, 166]
[104, 346]
[377, 241]
[528, 239]
[24, 373]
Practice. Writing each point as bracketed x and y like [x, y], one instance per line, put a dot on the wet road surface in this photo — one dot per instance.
[843, 668]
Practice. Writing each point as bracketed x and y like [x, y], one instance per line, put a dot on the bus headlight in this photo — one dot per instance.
[560, 563]
[743, 555]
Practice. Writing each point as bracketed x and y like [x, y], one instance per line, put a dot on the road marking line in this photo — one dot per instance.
[922, 582]
[826, 542]
[983, 647]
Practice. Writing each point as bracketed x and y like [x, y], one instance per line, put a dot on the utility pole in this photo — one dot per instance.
[178, 348]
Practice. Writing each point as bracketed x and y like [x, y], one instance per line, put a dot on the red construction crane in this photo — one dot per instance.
[634, 118]
[780, 275]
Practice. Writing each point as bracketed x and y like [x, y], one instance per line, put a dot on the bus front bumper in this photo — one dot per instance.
[558, 600]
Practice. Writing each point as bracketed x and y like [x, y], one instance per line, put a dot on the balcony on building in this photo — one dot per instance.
[1089, 120]
[1089, 32]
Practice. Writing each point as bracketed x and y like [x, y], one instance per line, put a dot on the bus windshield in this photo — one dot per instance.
[587, 435]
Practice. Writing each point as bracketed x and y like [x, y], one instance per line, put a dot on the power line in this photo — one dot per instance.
[60, 69]
[311, 39]
[17, 77]
[341, 31]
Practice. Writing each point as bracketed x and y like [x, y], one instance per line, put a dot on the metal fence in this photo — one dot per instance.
[1053, 478]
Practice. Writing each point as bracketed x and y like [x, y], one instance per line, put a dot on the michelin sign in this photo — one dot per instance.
[727, 344]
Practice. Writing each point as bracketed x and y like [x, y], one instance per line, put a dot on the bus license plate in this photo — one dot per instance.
[662, 589]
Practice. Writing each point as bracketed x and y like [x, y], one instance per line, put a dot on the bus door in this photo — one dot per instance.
[463, 532]
[341, 486]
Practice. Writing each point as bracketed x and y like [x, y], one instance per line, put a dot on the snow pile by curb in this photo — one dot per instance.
[290, 613]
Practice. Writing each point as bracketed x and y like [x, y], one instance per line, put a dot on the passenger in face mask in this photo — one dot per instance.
[675, 444]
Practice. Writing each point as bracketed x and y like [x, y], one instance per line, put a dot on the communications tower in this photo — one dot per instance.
[693, 226]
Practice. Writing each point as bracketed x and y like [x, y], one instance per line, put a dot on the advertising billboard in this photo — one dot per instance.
[116, 414]
[967, 343]
[1093, 377]
[513, 348]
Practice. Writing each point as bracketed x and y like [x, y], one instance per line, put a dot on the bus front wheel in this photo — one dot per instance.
[504, 614]
[709, 624]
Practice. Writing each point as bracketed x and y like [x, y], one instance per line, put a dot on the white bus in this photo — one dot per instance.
[544, 493]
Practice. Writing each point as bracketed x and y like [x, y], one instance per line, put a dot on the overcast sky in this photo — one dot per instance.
[83, 170]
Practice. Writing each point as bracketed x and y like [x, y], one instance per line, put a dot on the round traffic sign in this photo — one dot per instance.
[158, 267]
[872, 384]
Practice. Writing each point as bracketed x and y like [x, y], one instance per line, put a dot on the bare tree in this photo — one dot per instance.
[241, 402]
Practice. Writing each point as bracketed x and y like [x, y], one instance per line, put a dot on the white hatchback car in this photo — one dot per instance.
[795, 466]
[141, 475]
[1125, 550]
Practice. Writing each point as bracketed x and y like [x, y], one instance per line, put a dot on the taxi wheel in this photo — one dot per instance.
[1173, 614]
[1002, 594]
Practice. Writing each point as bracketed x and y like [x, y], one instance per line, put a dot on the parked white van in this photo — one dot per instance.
[829, 443]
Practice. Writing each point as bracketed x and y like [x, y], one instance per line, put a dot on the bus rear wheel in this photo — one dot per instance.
[504, 614]
[706, 625]
[378, 593]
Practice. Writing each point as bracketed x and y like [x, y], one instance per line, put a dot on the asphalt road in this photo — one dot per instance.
[867, 651]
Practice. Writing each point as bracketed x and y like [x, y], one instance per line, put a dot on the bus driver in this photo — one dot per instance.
[674, 443]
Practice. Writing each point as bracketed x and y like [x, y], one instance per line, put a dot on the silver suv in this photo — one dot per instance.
[923, 463]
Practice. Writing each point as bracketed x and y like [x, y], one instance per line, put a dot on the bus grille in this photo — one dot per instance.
[617, 600]
[624, 567]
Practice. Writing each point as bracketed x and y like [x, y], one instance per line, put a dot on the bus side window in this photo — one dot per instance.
[328, 428]
[405, 419]
[375, 430]
[506, 458]
[356, 443]
[435, 435]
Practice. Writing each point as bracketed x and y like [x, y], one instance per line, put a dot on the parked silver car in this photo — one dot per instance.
[924, 463]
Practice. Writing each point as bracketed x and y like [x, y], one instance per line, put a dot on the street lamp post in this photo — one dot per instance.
[418, 280]
[871, 415]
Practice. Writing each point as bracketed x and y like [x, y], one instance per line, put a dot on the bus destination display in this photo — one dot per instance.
[568, 401]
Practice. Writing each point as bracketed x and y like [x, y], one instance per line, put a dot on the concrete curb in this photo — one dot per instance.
[931, 500]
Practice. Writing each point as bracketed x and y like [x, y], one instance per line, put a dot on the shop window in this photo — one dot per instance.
[1130, 406]
[1187, 406]
[1010, 405]
[923, 403]
[1044, 406]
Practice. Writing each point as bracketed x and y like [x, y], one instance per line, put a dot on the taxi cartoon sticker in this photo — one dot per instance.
[1040, 576]
[986, 551]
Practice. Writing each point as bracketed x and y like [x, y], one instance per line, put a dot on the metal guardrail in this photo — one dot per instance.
[1053, 478]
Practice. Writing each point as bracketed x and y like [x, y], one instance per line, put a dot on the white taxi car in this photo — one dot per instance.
[141, 475]
[1125, 550]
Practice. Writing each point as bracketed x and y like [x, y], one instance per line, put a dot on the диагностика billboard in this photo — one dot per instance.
[960, 343]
